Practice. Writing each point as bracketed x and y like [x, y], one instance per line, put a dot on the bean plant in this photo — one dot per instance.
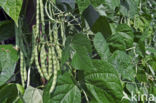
[77, 51]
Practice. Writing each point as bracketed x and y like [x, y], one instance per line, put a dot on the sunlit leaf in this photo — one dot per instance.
[12, 8]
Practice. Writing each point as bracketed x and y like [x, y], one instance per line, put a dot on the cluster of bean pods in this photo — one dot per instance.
[46, 50]
[48, 37]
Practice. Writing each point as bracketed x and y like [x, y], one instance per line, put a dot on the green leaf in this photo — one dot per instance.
[116, 42]
[124, 65]
[96, 3]
[102, 25]
[6, 30]
[12, 8]
[112, 3]
[141, 75]
[20, 88]
[123, 38]
[128, 8]
[153, 65]
[101, 46]
[140, 48]
[126, 32]
[8, 93]
[103, 83]
[80, 39]
[33, 95]
[8, 59]
[66, 91]
[131, 87]
[96, 22]
[81, 59]
[82, 48]
[82, 4]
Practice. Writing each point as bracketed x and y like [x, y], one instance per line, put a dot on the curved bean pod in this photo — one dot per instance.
[37, 63]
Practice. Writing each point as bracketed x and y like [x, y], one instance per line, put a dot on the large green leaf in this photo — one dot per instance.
[82, 48]
[80, 39]
[33, 95]
[124, 65]
[81, 59]
[8, 93]
[103, 83]
[79, 48]
[6, 30]
[12, 8]
[101, 46]
[66, 91]
[102, 25]
[8, 59]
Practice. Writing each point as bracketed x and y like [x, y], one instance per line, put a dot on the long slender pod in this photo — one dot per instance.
[22, 68]
[42, 21]
[54, 81]
[50, 55]
[37, 17]
[56, 42]
[25, 70]
[63, 33]
[50, 62]
[42, 16]
[55, 66]
[43, 59]
[37, 63]
[33, 46]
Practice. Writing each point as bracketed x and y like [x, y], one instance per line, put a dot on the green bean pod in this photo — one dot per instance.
[43, 62]
[25, 71]
[37, 17]
[22, 68]
[32, 56]
[42, 16]
[50, 61]
[56, 42]
[37, 63]
[33, 47]
[63, 33]
[55, 66]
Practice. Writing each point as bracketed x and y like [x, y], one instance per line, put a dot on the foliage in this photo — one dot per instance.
[78, 51]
